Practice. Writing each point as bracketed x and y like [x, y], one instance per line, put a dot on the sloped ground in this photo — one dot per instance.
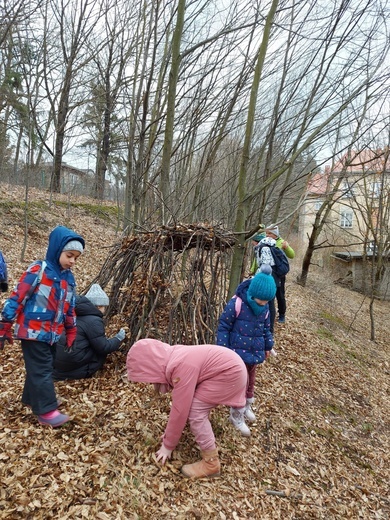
[319, 449]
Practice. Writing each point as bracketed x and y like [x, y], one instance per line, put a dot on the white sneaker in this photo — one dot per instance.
[249, 415]
[237, 420]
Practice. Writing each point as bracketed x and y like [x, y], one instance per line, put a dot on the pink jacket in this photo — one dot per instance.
[213, 374]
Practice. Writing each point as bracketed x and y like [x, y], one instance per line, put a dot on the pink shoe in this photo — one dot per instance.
[53, 419]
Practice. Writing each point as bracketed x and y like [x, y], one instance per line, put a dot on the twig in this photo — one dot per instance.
[282, 494]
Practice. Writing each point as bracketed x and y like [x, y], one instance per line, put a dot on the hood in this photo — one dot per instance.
[147, 360]
[58, 238]
[267, 241]
[84, 307]
[242, 290]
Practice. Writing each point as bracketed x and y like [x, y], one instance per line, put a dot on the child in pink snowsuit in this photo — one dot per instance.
[200, 377]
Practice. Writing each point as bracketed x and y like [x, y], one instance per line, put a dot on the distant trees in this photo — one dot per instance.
[203, 111]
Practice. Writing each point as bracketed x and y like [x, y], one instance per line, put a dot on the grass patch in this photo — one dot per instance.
[332, 318]
[97, 210]
[367, 427]
[325, 333]
[332, 408]
[327, 433]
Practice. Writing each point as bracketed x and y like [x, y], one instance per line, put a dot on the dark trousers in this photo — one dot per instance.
[281, 296]
[39, 391]
[272, 312]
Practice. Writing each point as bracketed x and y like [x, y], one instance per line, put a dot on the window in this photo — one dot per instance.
[376, 188]
[317, 205]
[346, 219]
[347, 189]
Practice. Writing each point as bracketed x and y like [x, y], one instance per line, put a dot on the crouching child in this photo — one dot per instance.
[200, 378]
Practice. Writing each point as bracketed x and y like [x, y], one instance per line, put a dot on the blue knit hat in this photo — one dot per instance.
[258, 237]
[262, 285]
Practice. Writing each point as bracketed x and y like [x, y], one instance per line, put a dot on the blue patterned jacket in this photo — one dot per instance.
[248, 335]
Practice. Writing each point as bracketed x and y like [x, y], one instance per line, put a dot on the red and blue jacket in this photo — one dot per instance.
[43, 310]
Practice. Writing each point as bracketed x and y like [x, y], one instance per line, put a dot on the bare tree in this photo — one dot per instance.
[68, 26]
[107, 71]
[242, 210]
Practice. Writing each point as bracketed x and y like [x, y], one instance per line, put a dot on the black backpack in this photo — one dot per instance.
[281, 267]
[3, 274]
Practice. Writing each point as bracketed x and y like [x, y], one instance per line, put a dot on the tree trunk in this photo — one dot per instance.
[241, 216]
[170, 117]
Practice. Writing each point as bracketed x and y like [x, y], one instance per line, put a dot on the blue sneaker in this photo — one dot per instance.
[282, 319]
[54, 422]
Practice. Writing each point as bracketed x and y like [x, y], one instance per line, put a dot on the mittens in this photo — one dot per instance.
[5, 333]
[120, 335]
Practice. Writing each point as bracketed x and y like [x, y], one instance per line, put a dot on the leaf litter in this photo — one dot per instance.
[319, 449]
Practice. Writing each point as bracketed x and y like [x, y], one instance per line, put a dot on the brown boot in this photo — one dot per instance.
[209, 466]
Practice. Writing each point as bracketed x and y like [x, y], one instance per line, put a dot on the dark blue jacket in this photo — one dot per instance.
[248, 335]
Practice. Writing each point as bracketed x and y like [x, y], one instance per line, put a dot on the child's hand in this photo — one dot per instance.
[163, 454]
[5, 334]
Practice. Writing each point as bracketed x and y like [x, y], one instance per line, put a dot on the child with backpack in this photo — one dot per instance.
[272, 231]
[244, 327]
[42, 306]
[267, 253]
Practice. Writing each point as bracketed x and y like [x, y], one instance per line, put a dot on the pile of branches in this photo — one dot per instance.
[169, 283]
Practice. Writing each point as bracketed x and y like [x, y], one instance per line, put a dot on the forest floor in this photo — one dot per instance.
[319, 449]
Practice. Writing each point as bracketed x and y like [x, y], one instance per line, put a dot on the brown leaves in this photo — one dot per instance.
[319, 449]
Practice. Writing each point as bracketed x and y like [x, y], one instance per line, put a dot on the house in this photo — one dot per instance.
[355, 269]
[73, 180]
[356, 192]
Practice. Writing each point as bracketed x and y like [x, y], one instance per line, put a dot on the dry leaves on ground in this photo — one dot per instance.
[319, 449]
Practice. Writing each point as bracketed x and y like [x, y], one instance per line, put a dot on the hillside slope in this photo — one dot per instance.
[319, 449]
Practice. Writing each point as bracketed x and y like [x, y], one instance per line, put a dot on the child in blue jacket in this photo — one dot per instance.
[42, 307]
[244, 326]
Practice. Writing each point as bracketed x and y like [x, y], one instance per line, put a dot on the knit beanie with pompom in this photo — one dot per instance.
[262, 285]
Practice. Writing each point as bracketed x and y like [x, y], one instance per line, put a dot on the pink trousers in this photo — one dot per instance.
[200, 425]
